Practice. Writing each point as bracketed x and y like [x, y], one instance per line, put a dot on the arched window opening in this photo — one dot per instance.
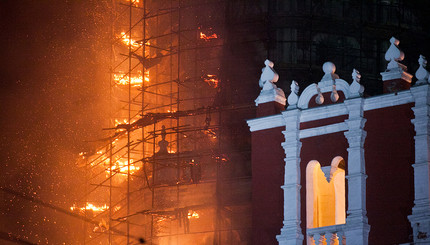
[325, 193]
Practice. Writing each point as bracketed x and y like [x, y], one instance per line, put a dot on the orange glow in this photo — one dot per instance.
[208, 37]
[211, 80]
[135, 2]
[122, 78]
[122, 167]
[90, 206]
[123, 121]
[125, 39]
[211, 133]
[193, 215]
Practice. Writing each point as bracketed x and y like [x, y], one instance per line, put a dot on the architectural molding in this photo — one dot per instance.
[420, 218]
[388, 100]
[291, 232]
[268, 122]
[324, 87]
[328, 129]
[357, 227]
[323, 112]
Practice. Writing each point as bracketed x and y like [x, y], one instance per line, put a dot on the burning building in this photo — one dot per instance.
[175, 167]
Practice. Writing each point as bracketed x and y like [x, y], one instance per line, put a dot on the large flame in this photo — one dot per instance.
[90, 206]
[125, 39]
[121, 166]
[122, 78]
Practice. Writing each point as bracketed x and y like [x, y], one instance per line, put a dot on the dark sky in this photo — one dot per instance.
[54, 83]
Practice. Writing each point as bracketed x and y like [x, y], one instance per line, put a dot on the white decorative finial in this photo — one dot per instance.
[293, 97]
[268, 76]
[334, 95]
[320, 98]
[329, 68]
[356, 89]
[270, 92]
[394, 54]
[422, 74]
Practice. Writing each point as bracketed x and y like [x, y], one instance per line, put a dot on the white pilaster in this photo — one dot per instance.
[357, 227]
[420, 218]
[291, 233]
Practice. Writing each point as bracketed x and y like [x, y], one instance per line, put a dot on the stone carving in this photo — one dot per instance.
[356, 89]
[334, 95]
[320, 98]
[269, 90]
[422, 74]
[268, 76]
[329, 68]
[293, 97]
[394, 55]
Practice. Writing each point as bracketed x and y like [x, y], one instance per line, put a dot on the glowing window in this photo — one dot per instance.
[325, 193]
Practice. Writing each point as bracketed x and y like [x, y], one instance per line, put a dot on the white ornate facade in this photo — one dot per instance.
[332, 120]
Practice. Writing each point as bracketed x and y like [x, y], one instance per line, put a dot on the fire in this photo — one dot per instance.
[135, 2]
[211, 80]
[122, 167]
[193, 215]
[208, 37]
[90, 206]
[122, 78]
[126, 40]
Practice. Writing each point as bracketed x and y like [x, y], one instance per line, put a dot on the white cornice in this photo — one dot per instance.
[268, 122]
[332, 128]
[388, 100]
[323, 112]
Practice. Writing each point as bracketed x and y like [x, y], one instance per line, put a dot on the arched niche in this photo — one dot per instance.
[325, 193]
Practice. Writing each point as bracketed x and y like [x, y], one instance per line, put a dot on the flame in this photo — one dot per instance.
[122, 167]
[90, 206]
[126, 40]
[192, 215]
[211, 80]
[119, 121]
[121, 78]
[208, 37]
[135, 2]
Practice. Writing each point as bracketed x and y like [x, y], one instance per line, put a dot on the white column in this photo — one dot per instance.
[291, 233]
[357, 227]
[420, 218]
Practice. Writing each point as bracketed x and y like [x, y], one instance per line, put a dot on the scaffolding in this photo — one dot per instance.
[175, 167]
[165, 174]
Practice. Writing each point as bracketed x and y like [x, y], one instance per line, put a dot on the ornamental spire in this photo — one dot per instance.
[394, 55]
[293, 97]
[422, 74]
[329, 68]
[356, 89]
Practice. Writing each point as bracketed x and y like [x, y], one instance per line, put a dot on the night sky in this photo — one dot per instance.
[54, 85]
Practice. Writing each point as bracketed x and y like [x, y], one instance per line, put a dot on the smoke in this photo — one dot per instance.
[54, 84]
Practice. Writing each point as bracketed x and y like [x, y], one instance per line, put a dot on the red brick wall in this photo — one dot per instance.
[267, 179]
[389, 154]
